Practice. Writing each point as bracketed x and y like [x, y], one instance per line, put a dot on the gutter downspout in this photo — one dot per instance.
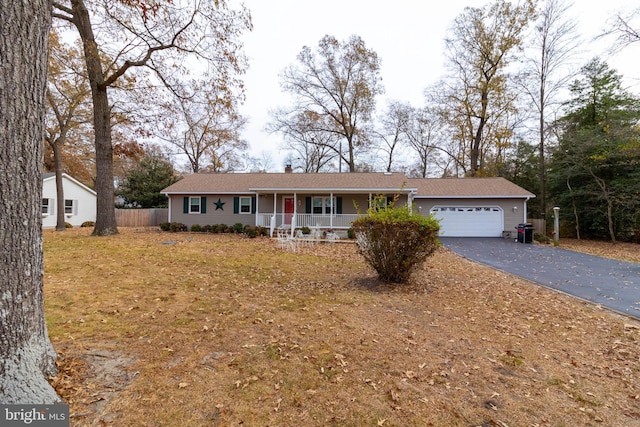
[255, 220]
[169, 212]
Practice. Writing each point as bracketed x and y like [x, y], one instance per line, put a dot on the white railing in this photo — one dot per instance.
[342, 221]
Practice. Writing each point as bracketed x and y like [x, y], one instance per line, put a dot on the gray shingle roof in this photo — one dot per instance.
[467, 188]
[250, 183]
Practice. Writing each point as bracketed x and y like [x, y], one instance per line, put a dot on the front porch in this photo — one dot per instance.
[322, 222]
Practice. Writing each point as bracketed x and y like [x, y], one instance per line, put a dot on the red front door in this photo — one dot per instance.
[288, 209]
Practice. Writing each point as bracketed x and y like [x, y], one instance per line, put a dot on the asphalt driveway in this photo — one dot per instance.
[610, 283]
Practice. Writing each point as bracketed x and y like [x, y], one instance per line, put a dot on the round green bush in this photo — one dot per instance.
[394, 240]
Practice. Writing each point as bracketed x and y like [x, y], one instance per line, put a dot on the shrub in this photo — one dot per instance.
[222, 228]
[165, 226]
[238, 227]
[206, 228]
[251, 231]
[542, 238]
[177, 226]
[305, 230]
[351, 234]
[196, 228]
[394, 240]
[68, 225]
[87, 224]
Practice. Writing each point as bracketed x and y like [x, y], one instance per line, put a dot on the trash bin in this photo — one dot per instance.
[525, 233]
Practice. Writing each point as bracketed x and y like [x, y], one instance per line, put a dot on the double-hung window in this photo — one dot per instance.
[245, 205]
[46, 206]
[194, 205]
[70, 207]
[324, 205]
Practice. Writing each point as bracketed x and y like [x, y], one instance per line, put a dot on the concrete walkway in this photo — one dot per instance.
[610, 283]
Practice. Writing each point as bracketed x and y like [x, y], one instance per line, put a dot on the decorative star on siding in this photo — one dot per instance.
[219, 204]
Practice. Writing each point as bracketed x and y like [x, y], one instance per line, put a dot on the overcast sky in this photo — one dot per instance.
[408, 36]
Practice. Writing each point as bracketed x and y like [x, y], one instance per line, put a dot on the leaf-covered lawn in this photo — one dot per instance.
[218, 330]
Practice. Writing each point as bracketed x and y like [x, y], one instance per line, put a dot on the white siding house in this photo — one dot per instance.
[79, 201]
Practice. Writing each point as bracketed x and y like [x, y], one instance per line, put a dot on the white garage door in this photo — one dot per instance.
[469, 221]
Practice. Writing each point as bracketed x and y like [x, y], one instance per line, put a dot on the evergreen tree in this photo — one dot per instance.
[142, 184]
[594, 170]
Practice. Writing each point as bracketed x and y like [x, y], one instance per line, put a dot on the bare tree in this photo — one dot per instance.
[26, 354]
[68, 108]
[339, 82]
[260, 164]
[625, 28]
[393, 125]
[312, 150]
[425, 138]
[205, 126]
[481, 44]
[166, 39]
[555, 42]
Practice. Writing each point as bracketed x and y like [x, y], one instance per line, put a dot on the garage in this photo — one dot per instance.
[469, 221]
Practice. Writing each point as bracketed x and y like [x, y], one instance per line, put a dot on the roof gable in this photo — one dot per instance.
[47, 176]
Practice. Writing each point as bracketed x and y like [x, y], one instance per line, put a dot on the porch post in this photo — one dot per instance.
[255, 220]
[331, 210]
[275, 212]
[295, 214]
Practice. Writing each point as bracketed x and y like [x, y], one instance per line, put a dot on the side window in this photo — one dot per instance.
[317, 205]
[194, 204]
[45, 206]
[245, 205]
[329, 205]
[70, 207]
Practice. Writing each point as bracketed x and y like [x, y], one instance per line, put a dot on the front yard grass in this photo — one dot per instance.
[189, 329]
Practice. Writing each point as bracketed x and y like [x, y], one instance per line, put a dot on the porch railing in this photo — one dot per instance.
[340, 221]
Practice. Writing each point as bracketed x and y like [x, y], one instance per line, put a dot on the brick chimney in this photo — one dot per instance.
[288, 169]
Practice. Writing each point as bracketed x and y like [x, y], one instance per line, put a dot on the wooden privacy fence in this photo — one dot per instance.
[141, 217]
[539, 225]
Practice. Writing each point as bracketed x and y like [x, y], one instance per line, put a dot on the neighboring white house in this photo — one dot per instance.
[79, 201]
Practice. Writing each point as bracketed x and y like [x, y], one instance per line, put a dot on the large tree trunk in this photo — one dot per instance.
[106, 215]
[542, 165]
[57, 158]
[477, 138]
[26, 354]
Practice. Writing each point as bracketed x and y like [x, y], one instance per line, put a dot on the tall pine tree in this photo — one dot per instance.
[594, 170]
